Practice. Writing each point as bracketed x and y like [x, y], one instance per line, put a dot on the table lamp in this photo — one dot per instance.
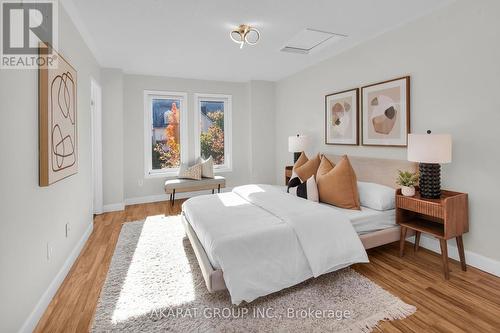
[429, 150]
[296, 145]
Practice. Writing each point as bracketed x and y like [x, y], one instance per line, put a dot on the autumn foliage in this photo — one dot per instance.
[212, 141]
[169, 153]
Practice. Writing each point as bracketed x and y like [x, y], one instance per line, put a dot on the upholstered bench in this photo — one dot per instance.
[173, 186]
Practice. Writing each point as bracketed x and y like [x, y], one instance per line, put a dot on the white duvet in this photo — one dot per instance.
[265, 240]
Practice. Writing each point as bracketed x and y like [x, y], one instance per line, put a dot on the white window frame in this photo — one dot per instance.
[149, 95]
[228, 127]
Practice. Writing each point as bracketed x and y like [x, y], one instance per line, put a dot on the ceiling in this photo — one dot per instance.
[190, 38]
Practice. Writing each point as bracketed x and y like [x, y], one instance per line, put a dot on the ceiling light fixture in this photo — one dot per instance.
[245, 34]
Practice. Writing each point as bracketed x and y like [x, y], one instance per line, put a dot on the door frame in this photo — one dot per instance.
[96, 144]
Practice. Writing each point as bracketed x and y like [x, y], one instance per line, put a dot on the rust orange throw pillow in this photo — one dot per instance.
[302, 159]
[304, 168]
[337, 184]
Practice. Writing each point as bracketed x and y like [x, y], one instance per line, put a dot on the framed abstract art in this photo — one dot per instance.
[342, 118]
[386, 113]
[58, 139]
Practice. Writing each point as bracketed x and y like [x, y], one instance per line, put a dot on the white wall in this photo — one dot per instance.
[134, 86]
[262, 125]
[252, 121]
[31, 216]
[112, 138]
[453, 57]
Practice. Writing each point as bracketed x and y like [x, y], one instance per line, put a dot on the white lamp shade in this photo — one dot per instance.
[429, 148]
[297, 143]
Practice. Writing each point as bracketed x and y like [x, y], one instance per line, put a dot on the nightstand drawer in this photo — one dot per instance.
[418, 206]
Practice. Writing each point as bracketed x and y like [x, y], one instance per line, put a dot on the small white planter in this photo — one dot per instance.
[408, 191]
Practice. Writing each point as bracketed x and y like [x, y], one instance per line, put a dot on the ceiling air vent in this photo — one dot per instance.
[308, 39]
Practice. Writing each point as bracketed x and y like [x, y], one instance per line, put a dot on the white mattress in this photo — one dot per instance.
[369, 220]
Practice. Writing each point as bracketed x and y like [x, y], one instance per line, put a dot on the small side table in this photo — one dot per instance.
[288, 173]
[443, 218]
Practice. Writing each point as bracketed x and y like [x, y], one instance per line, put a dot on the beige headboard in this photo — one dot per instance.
[377, 170]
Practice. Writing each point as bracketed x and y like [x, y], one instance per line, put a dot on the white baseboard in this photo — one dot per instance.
[32, 320]
[113, 207]
[471, 258]
[166, 197]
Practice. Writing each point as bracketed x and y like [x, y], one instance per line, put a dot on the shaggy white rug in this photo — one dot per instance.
[154, 284]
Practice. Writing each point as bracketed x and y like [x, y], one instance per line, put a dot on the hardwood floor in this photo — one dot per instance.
[468, 302]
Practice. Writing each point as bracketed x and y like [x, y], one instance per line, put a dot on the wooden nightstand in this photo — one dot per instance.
[288, 173]
[443, 218]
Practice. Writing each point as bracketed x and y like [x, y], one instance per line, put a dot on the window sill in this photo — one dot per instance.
[174, 173]
[165, 174]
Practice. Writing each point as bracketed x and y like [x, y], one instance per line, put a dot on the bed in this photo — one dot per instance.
[242, 244]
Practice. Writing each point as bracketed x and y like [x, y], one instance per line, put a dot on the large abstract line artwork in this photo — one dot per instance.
[58, 122]
[62, 109]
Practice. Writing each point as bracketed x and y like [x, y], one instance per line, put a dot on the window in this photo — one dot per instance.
[213, 129]
[165, 132]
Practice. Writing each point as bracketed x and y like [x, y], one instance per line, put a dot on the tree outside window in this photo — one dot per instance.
[166, 134]
[212, 130]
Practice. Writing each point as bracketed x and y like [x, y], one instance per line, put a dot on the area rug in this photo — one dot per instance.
[154, 284]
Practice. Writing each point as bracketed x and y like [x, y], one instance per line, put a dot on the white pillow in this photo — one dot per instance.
[376, 196]
[193, 172]
[207, 167]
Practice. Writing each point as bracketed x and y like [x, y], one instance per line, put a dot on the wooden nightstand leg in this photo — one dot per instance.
[417, 240]
[402, 241]
[444, 255]
[461, 252]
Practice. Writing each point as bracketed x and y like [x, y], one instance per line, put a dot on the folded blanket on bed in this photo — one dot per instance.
[266, 240]
[328, 238]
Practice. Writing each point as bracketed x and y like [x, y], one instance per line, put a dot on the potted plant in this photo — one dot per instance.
[407, 180]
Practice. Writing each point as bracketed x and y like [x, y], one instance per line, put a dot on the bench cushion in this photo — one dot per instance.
[190, 185]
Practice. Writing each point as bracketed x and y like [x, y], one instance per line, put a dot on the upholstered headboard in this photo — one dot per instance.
[377, 170]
